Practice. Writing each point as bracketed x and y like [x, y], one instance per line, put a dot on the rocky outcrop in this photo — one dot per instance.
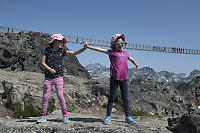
[146, 96]
[191, 92]
[185, 124]
[80, 123]
[189, 121]
[158, 98]
[22, 52]
[22, 91]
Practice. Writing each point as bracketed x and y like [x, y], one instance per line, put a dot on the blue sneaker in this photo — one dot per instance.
[107, 120]
[130, 120]
[41, 119]
[65, 119]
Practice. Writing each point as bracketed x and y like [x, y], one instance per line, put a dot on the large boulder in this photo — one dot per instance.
[145, 96]
[155, 97]
[23, 91]
[190, 92]
[185, 124]
[23, 51]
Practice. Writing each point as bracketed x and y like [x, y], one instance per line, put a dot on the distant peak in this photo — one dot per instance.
[95, 66]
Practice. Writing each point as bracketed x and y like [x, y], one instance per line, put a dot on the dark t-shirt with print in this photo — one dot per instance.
[54, 61]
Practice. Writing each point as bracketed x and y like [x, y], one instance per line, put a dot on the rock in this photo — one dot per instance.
[103, 101]
[23, 91]
[185, 124]
[149, 96]
[82, 123]
[114, 110]
[190, 92]
[144, 94]
[23, 52]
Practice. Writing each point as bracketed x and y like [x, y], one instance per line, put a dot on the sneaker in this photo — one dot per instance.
[65, 119]
[130, 120]
[41, 119]
[107, 120]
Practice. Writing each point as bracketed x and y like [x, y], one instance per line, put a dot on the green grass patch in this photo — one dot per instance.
[29, 111]
[137, 112]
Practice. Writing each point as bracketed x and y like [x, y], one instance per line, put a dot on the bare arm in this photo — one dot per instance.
[46, 66]
[99, 49]
[133, 61]
[77, 51]
[95, 48]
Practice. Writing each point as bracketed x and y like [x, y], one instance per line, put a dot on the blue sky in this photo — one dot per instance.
[150, 22]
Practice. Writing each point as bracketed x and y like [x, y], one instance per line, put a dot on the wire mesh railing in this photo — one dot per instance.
[134, 46]
[103, 43]
[6, 29]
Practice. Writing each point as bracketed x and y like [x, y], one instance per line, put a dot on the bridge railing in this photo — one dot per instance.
[133, 46]
[6, 29]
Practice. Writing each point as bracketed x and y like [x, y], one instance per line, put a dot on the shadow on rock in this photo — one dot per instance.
[86, 119]
[27, 121]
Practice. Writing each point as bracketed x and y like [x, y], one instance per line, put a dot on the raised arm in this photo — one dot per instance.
[133, 61]
[95, 48]
[77, 51]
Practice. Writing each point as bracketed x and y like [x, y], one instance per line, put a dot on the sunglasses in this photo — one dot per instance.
[118, 43]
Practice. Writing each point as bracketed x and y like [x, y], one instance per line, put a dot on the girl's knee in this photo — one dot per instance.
[45, 96]
[125, 99]
[111, 100]
[61, 97]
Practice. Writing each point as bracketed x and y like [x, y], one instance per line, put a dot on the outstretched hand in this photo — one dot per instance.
[85, 44]
[138, 67]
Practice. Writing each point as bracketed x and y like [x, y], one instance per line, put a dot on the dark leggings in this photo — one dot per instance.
[113, 92]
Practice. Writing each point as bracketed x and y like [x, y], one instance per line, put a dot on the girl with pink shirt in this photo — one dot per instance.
[118, 74]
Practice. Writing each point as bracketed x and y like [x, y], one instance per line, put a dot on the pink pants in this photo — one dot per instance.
[58, 83]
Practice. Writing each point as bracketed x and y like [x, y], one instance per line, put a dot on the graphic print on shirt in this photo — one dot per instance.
[120, 57]
[54, 61]
[119, 64]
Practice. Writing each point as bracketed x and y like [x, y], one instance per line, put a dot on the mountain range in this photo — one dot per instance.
[98, 71]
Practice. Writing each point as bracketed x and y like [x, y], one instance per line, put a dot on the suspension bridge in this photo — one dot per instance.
[133, 46]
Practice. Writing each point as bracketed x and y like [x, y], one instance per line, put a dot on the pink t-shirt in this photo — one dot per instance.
[119, 64]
